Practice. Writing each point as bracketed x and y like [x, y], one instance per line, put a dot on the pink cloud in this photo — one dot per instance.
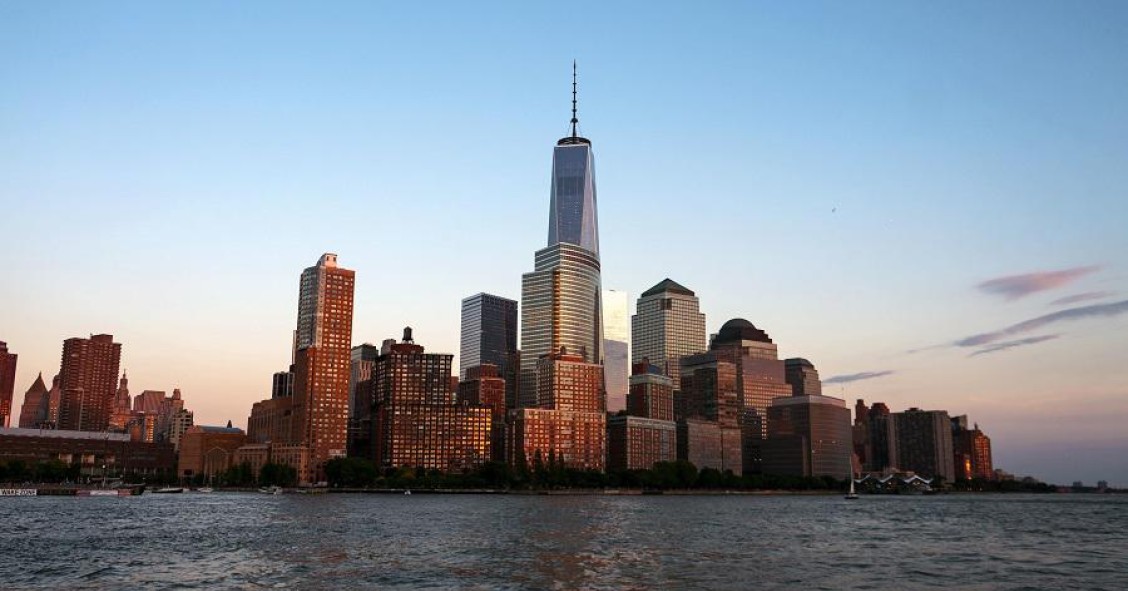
[1017, 286]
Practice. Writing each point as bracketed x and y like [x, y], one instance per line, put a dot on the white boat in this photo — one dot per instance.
[850, 496]
[407, 492]
[271, 490]
[169, 490]
[204, 489]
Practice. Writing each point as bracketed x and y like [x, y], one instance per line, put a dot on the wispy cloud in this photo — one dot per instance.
[1093, 311]
[1014, 287]
[857, 377]
[1003, 346]
[1082, 297]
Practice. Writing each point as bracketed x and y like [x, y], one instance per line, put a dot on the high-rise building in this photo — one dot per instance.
[808, 435]
[972, 450]
[360, 399]
[567, 382]
[637, 443]
[416, 422]
[7, 383]
[89, 373]
[323, 362]
[561, 299]
[616, 348]
[922, 443]
[149, 401]
[282, 384]
[761, 377]
[873, 436]
[54, 402]
[489, 333]
[667, 325]
[33, 413]
[484, 386]
[710, 393]
[802, 376]
[651, 393]
[178, 424]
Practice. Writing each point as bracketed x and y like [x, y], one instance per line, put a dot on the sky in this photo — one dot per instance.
[927, 201]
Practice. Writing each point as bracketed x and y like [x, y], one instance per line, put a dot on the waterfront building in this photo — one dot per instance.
[489, 334]
[484, 386]
[616, 348]
[705, 444]
[208, 451]
[802, 376]
[972, 451]
[89, 373]
[561, 299]
[272, 420]
[873, 436]
[33, 413]
[637, 443]
[710, 392]
[322, 360]
[808, 435]
[94, 452]
[761, 377]
[576, 439]
[567, 382]
[7, 383]
[651, 393]
[416, 421]
[363, 359]
[667, 325]
[922, 443]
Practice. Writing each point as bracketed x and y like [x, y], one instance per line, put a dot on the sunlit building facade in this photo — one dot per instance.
[33, 413]
[667, 325]
[7, 383]
[651, 393]
[88, 379]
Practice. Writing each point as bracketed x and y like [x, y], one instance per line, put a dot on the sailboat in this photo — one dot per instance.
[851, 496]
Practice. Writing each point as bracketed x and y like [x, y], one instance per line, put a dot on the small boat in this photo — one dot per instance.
[169, 490]
[851, 496]
[204, 489]
[271, 490]
[407, 492]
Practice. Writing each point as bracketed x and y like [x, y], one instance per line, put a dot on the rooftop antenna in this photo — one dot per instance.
[574, 119]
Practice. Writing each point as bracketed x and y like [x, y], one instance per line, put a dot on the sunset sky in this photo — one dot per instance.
[929, 202]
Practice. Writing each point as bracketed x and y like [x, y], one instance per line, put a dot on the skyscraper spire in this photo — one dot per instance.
[575, 120]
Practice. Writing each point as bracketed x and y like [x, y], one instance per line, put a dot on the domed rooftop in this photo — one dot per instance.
[739, 329]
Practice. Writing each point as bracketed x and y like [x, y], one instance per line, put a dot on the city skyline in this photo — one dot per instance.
[853, 270]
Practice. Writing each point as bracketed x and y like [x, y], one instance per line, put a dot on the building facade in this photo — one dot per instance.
[33, 413]
[651, 393]
[323, 362]
[808, 436]
[88, 380]
[616, 348]
[922, 443]
[489, 333]
[637, 443]
[208, 451]
[7, 383]
[972, 452]
[484, 386]
[667, 325]
[95, 453]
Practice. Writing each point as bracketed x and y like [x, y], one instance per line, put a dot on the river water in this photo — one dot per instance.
[423, 541]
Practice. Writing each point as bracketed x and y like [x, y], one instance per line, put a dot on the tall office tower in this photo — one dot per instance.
[651, 393]
[363, 359]
[761, 376]
[802, 376]
[710, 394]
[561, 303]
[972, 450]
[322, 362]
[7, 383]
[922, 443]
[489, 333]
[417, 423]
[808, 435]
[89, 373]
[33, 413]
[282, 384]
[616, 348]
[667, 325]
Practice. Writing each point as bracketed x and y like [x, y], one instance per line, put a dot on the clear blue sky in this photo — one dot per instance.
[844, 175]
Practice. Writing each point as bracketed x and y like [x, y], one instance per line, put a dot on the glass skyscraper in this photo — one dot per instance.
[489, 332]
[561, 303]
